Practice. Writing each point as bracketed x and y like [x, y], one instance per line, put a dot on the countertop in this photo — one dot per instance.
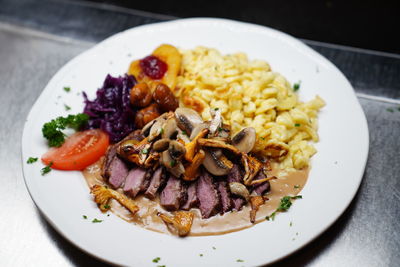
[39, 37]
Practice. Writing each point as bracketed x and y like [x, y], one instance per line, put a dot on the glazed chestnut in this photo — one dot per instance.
[140, 95]
[165, 99]
[146, 115]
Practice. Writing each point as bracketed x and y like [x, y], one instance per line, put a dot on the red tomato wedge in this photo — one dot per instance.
[78, 151]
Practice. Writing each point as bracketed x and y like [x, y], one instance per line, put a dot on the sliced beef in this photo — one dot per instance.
[192, 200]
[134, 181]
[171, 195]
[147, 180]
[235, 176]
[261, 188]
[226, 202]
[155, 182]
[209, 203]
[110, 155]
[118, 171]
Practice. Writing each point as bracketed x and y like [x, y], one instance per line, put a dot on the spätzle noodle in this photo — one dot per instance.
[249, 93]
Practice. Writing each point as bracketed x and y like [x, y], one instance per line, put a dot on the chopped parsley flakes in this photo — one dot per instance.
[172, 163]
[297, 186]
[239, 260]
[96, 220]
[156, 260]
[84, 217]
[297, 124]
[46, 169]
[31, 160]
[201, 255]
[67, 89]
[107, 206]
[390, 110]
[145, 151]
[296, 86]
[67, 107]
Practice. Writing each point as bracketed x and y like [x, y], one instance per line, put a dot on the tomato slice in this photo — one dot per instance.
[78, 151]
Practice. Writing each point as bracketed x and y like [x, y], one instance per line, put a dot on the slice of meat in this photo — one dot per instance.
[134, 181]
[146, 182]
[192, 199]
[235, 176]
[226, 202]
[118, 171]
[261, 188]
[171, 196]
[156, 181]
[109, 156]
[209, 203]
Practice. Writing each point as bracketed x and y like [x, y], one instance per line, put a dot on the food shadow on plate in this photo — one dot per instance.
[76, 256]
[306, 255]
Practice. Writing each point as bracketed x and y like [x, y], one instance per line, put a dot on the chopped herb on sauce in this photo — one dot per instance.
[31, 160]
[96, 220]
[67, 89]
[284, 205]
[47, 169]
[297, 186]
[156, 260]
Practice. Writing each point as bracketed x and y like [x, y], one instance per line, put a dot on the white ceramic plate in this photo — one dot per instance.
[336, 173]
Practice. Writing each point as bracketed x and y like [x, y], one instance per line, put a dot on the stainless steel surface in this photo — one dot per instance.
[367, 234]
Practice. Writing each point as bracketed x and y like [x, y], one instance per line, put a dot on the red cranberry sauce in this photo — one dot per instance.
[153, 67]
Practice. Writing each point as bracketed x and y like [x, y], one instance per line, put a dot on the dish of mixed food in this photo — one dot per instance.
[191, 142]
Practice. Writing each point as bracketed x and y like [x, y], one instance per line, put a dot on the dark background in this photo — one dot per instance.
[364, 24]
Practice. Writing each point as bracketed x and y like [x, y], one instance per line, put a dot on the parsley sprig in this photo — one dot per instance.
[31, 160]
[284, 205]
[52, 130]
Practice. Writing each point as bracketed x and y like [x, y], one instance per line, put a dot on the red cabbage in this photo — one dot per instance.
[111, 111]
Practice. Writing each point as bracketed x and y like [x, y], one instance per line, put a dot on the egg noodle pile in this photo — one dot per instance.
[250, 94]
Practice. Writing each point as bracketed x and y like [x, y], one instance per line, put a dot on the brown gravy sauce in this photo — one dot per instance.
[287, 184]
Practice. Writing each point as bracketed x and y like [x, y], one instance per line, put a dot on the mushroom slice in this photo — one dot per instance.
[245, 139]
[156, 129]
[169, 129]
[102, 196]
[146, 129]
[161, 145]
[187, 119]
[180, 223]
[173, 166]
[216, 121]
[252, 166]
[216, 143]
[216, 163]
[239, 189]
[191, 147]
[134, 151]
[176, 150]
[256, 202]
[191, 170]
[198, 128]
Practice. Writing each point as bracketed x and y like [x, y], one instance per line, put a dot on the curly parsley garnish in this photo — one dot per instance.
[52, 130]
[31, 160]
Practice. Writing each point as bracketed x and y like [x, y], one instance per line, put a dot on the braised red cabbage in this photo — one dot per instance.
[111, 111]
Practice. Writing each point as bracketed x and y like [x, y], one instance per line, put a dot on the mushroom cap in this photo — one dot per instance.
[245, 139]
[216, 163]
[187, 119]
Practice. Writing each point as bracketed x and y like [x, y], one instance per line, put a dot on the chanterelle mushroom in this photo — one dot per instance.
[181, 222]
[103, 195]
